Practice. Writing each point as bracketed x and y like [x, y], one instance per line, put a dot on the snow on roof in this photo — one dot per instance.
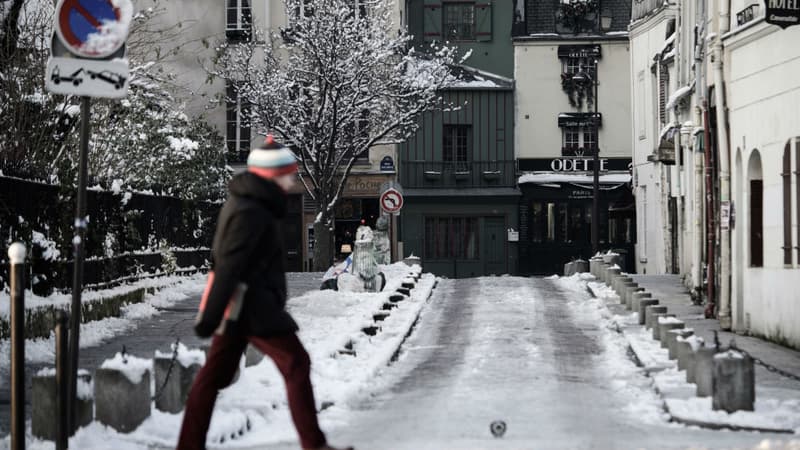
[553, 178]
[679, 94]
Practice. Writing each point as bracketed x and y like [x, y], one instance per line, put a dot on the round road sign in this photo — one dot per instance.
[391, 200]
[93, 28]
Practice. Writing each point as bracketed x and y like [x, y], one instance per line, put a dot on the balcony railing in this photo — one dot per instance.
[439, 174]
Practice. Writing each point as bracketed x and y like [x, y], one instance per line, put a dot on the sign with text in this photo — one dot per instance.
[783, 13]
[577, 165]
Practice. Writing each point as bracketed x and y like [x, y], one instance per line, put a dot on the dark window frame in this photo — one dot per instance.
[238, 20]
[238, 133]
[456, 145]
[460, 29]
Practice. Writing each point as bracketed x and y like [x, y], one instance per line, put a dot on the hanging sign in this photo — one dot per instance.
[88, 48]
[783, 13]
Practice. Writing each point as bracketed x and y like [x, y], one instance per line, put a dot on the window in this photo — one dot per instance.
[451, 238]
[239, 20]
[459, 21]
[456, 144]
[663, 93]
[237, 130]
[575, 64]
[578, 141]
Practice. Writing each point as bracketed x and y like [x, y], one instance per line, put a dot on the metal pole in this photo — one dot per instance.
[62, 378]
[16, 256]
[596, 171]
[77, 279]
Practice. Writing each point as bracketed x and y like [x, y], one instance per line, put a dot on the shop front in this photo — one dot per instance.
[555, 212]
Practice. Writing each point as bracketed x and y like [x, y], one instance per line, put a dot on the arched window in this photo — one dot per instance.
[755, 177]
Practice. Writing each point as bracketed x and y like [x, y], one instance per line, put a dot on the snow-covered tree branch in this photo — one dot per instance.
[334, 84]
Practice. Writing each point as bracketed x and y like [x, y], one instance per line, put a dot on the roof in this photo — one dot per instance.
[472, 78]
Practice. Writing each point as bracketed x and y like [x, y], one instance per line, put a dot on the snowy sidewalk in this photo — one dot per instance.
[777, 407]
[349, 337]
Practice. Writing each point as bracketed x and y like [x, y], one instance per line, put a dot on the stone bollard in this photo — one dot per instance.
[664, 325]
[569, 269]
[650, 311]
[611, 274]
[687, 349]
[643, 304]
[43, 403]
[704, 370]
[637, 297]
[252, 356]
[594, 265]
[174, 378]
[581, 266]
[734, 382]
[625, 288]
[619, 282]
[672, 340]
[122, 392]
[629, 291]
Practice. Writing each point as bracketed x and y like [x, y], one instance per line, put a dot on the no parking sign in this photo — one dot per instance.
[88, 48]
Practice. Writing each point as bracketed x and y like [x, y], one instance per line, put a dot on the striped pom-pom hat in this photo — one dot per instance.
[271, 159]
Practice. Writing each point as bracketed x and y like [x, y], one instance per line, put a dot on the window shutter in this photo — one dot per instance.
[432, 28]
[483, 21]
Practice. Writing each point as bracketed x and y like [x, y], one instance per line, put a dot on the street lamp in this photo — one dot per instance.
[585, 75]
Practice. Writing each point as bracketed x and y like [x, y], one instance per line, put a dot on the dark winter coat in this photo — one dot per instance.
[247, 248]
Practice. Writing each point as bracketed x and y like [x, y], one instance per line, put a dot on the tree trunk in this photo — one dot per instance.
[323, 245]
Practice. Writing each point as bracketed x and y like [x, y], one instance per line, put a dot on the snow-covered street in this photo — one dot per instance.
[538, 354]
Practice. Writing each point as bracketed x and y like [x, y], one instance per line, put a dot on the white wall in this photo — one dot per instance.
[763, 97]
[539, 98]
[647, 39]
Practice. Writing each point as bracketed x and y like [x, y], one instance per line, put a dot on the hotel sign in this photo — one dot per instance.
[577, 165]
[783, 13]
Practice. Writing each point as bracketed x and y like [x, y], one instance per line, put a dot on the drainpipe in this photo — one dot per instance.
[697, 210]
[724, 314]
[710, 222]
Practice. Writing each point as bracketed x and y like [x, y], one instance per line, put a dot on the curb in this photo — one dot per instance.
[637, 359]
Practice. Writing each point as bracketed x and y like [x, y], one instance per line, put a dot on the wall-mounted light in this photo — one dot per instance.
[606, 18]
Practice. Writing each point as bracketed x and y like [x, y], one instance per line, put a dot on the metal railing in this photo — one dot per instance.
[472, 174]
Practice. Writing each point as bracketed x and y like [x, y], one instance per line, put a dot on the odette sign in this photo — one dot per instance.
[576, 165]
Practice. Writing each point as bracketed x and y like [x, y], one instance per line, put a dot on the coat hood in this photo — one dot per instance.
[264, 191]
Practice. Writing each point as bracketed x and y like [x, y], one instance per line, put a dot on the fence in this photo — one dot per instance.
[128, 233]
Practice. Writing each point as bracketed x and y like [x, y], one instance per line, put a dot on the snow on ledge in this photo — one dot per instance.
[550, 177]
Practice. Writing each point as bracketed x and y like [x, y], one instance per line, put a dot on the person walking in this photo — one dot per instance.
[245, 298]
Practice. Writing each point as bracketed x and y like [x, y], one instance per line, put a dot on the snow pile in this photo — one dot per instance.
[132, 367]
[186, 357]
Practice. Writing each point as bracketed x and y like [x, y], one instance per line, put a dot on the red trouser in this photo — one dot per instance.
[223, 360]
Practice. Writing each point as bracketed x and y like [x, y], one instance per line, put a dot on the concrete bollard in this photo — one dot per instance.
[704, 370]
[672, 340]
[611, 273]
[637, 297]
[650, 311]
[643, 304]
[122, 392]
[629, 291]
[734, 386]
[619, 282]
[581, 266]
[626, 287]
[665, 324]
[686, 355]
[252, 356]
[173, 379]
[43, 403]
[569, 269]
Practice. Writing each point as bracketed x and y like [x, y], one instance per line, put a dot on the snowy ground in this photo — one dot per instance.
[329, 321]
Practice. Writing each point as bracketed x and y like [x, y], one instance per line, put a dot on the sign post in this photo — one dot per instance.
[87, 59]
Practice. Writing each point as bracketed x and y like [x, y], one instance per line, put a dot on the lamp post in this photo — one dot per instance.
[586, 75]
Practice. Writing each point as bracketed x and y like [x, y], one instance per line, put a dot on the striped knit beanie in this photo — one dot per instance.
[271, 159]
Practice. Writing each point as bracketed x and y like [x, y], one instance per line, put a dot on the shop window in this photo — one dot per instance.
[451, 238]
[239, 20]
[539, 222]
[456, 144]
[237, 129]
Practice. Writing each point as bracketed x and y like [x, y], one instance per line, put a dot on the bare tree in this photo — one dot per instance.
[335, 83]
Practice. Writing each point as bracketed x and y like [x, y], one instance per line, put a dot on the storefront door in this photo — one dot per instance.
[494, 254]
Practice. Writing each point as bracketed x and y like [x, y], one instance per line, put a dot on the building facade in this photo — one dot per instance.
[574, 58]
[458, 172]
